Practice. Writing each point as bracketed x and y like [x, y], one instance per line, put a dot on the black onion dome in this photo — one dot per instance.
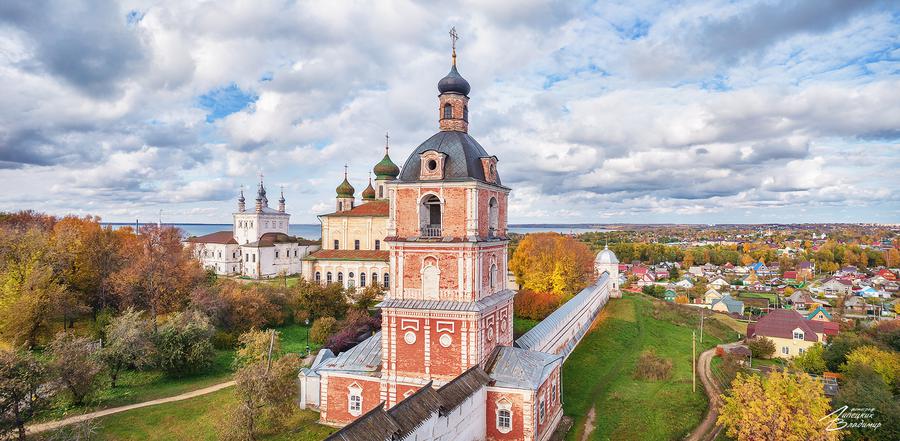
[454, 82]
[463, 160]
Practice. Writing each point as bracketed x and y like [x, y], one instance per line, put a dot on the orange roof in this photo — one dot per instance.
[224, 237]
[377, 208]
[380, 255]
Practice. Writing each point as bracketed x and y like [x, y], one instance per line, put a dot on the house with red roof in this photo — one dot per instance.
[792, 333]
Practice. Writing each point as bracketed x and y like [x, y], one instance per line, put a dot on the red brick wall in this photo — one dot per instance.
[552, 403]
[518, 428]
[445, 362]
[447, 262]
[410, 357]
[336, 412]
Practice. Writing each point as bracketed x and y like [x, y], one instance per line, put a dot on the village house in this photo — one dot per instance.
[837, 286]
[728, 305]
[791, 332]
[819, 314]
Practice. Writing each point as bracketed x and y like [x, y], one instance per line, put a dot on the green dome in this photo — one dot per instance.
[369, 193]
[386, 169]
[345, 190]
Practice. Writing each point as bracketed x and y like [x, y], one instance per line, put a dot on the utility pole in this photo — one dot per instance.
[271, 346]
[694, 359]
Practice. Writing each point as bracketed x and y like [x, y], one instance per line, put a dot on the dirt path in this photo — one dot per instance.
[89, 416]
[708, 430]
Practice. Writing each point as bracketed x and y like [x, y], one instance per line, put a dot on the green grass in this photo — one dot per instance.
[522, 325]
[599, 372]
[137, 386]
[198, 419]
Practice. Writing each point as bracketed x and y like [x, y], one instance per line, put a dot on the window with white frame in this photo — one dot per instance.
[354, 399]
[801, 351]
[504, 416]
[798, 335]
[785, 350]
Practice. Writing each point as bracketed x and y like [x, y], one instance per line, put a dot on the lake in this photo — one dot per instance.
[314, 231]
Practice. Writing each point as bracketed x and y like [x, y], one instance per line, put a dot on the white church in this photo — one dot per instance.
[259, 245]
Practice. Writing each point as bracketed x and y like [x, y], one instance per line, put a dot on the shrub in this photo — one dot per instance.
[322, 329]
[128, 344]
[311, 301]
[224, 340]
[811, 360]
[761, 347]
[536, 305]
[652, 367]
[22, 391]
[75, 365]
[356, 327]
[184, 345]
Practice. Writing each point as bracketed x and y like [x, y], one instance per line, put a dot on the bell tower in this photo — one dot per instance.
[448, 305]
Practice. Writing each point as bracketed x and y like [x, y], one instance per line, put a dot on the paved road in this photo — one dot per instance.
[36, 428]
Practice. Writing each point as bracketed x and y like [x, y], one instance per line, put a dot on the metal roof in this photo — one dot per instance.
[559, 318]
[463, 160]
[520, 368]
[450, 305]
[364, 357]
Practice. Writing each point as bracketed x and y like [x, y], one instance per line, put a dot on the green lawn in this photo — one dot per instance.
[137, 386]
[599, 373]
[522, 325]
[197, 419]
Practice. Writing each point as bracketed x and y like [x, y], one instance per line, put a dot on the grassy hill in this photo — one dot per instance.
[599, 374]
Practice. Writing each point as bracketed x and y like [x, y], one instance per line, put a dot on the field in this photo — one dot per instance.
[137, 386]
[197, 419]
[598, 375]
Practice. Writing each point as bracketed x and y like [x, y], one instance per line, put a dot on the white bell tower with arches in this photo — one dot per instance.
[607, 262]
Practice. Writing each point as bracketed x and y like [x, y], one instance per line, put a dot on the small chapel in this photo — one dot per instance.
[444, 365]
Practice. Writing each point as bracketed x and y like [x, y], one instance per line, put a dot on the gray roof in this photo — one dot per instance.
[520, 368]
[449, 305]
[463, 160]
[374, 425]
[733, 305]
[559, 318]
[364, 357]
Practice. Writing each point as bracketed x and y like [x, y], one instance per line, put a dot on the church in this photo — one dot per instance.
[259, 245]
[444, 364]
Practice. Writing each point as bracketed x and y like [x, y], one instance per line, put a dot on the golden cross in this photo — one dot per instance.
[453, 37]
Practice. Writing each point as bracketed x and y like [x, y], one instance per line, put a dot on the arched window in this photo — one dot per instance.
[351, 282]
[375, 278]
[493, 217]
[318, 277]
[448, 111]
[328, 277]
[504, 418]
[430, 216]
[387, 280]
[340, 277]
[493, 276]
[466, 113]
[362, 280]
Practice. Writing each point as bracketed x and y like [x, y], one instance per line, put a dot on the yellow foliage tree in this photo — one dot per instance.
[551, 262]
[682, 299]
[781, 407]
[885, 363]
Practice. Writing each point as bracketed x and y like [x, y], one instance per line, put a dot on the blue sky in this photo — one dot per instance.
[632, 111]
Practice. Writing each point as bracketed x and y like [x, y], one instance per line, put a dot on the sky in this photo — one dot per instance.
[599, 112]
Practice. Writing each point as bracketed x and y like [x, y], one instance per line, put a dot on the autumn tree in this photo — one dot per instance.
[184, 345]
[22, 391]
[255, 346]
[367, 297]
[128, 344]
[265, 396]
[159, 274]
[884, 362]
[761, 347]
[248, 306]
[74, 364]
[29, 287]
[779, 407]
[312, 300]
[835, 354]
[552, 262]
[322, 329]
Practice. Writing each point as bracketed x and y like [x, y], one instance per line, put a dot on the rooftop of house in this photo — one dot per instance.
[270, 239]
[372, 255]
[219, 237]
[781, 323]
[376, 208]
